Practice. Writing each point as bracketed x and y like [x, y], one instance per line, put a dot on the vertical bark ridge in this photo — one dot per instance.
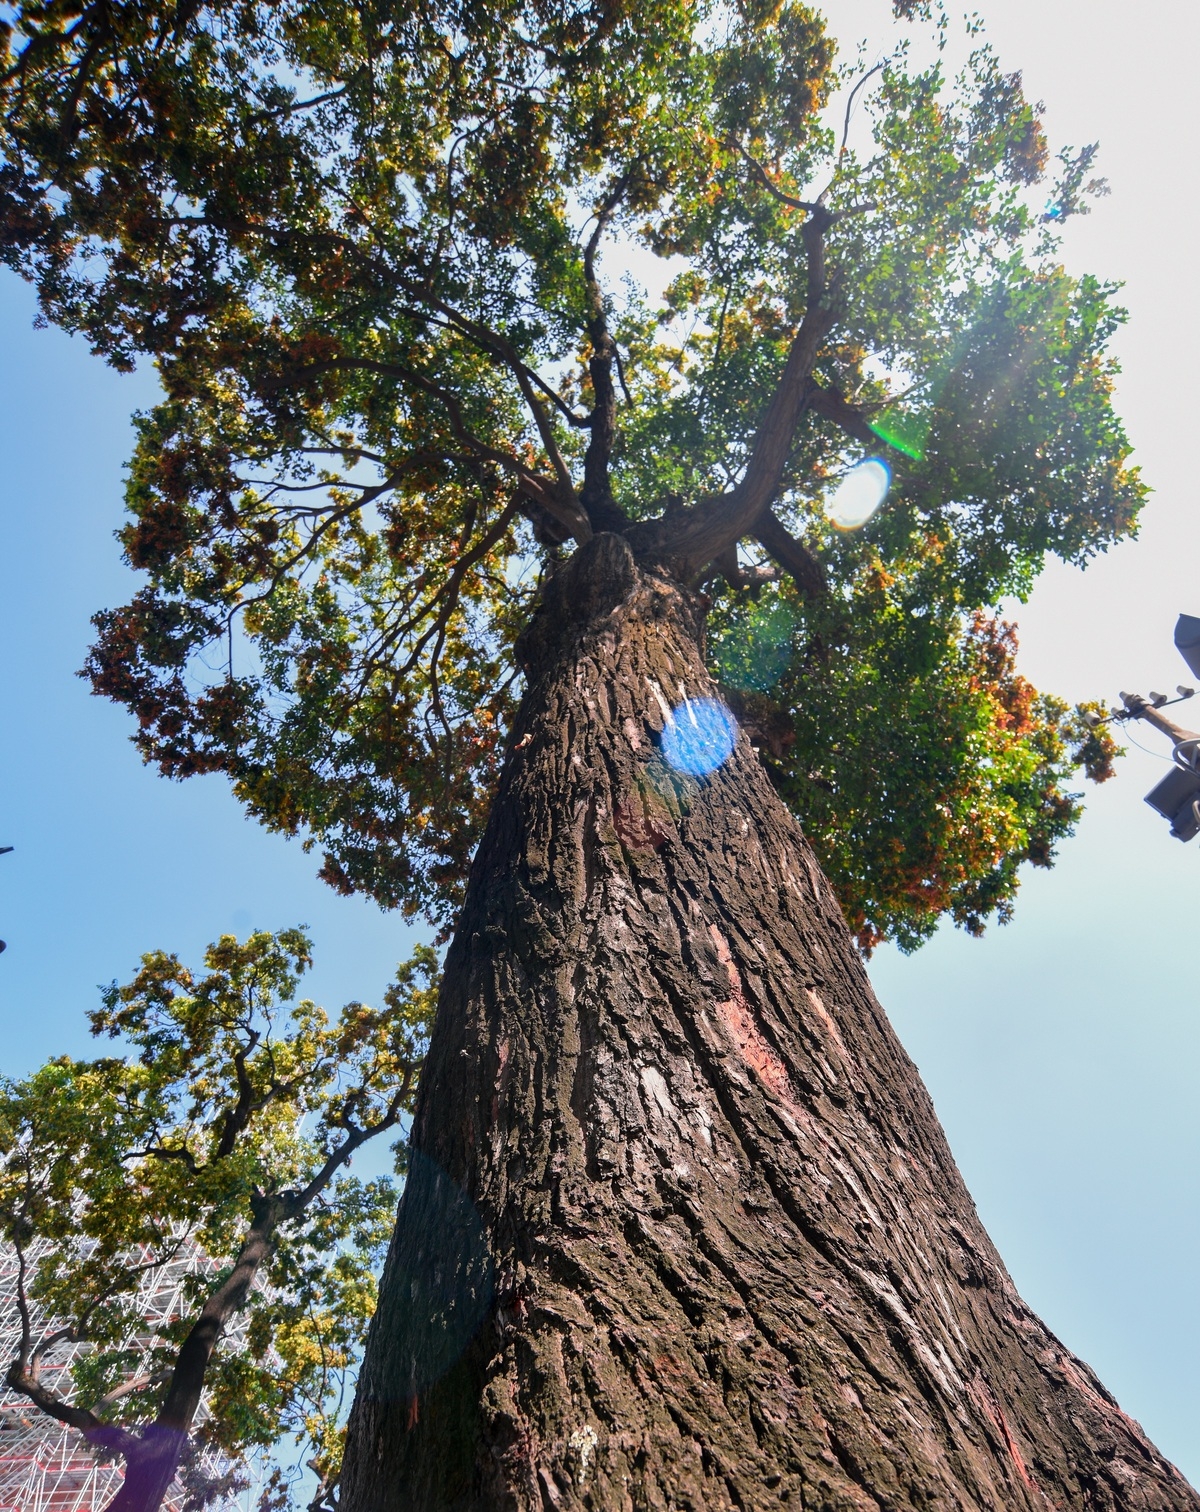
[682, 1230]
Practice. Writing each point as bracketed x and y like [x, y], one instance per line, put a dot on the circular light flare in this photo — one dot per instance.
[859, 494]
[699, 737]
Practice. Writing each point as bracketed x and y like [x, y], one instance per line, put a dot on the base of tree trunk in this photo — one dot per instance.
[682, 1229]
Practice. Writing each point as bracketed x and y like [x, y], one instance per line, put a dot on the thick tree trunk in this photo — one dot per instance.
[681, 1229]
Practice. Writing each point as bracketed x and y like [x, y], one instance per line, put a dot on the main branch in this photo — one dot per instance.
[691, 538]
[602, 509]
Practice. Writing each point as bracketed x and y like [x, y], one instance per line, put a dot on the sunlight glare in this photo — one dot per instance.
[858, 494]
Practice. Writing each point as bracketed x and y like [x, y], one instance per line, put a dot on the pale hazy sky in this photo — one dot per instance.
[1063, 1052]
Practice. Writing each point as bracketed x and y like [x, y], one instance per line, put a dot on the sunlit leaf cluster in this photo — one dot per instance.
[940, 772]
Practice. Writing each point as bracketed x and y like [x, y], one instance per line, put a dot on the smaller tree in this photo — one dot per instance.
[226, 1128]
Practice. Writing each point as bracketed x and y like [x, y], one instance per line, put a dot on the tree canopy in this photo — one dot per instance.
[378, 254]
[223, 1134]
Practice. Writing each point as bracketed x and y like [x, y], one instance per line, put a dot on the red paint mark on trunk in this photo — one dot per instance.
[987, 1400]
[745, 1033]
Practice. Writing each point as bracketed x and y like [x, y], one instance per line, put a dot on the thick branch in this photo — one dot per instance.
[187, 1378]
[104, 1435]
[152, 1457]
[29, 1386]
[738, 576]
[239, 1115]
[268, 1212]
[24, 1357]
[773, 443]
[693, 537]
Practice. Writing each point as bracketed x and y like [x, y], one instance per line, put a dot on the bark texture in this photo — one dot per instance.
[682, 1229]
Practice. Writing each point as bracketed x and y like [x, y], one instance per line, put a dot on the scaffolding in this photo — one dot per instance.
[46, 1466]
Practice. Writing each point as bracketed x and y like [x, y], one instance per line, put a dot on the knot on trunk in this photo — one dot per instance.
[599, 578]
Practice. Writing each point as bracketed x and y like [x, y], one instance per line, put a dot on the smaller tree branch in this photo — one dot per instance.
[792, 555]
[853, 95]
[499, 346]
[329, 516]
[621, 373]
[298, 1201]
[59, 1336]
[127, 1388]
[556, 497]
[597, 498]
[768, 183]
[831, 404]
[738, 576]
[444, 601]
[168, 1152]
[811, 207]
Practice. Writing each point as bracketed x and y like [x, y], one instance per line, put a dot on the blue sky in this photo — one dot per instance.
[1062, 1052]
[109, 858]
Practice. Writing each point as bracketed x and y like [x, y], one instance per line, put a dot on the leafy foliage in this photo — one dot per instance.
[231, 1118]
[922, 766]
[365, 247]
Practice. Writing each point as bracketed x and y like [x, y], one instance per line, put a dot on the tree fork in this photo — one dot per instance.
[681, 1228]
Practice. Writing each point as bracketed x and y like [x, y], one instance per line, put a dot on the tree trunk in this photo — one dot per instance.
[681, 1228]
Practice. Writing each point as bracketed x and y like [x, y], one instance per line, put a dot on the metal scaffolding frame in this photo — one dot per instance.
[46, 1466]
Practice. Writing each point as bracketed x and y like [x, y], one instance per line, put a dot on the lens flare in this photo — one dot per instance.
[445, 1278]
[859, 494]
[754, 651]
[906, 432]
[699, 736]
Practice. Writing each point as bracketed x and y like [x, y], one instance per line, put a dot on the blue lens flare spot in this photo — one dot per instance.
[858, 494]
[699, 736]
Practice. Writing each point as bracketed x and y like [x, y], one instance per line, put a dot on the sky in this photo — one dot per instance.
[1062, 1051]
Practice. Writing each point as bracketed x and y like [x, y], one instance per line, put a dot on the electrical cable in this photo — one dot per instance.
[1146, 751]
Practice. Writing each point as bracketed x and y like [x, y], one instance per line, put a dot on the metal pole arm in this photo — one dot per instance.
[1142, 708]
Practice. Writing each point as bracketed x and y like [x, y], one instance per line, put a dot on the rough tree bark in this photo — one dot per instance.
[682, 1229]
